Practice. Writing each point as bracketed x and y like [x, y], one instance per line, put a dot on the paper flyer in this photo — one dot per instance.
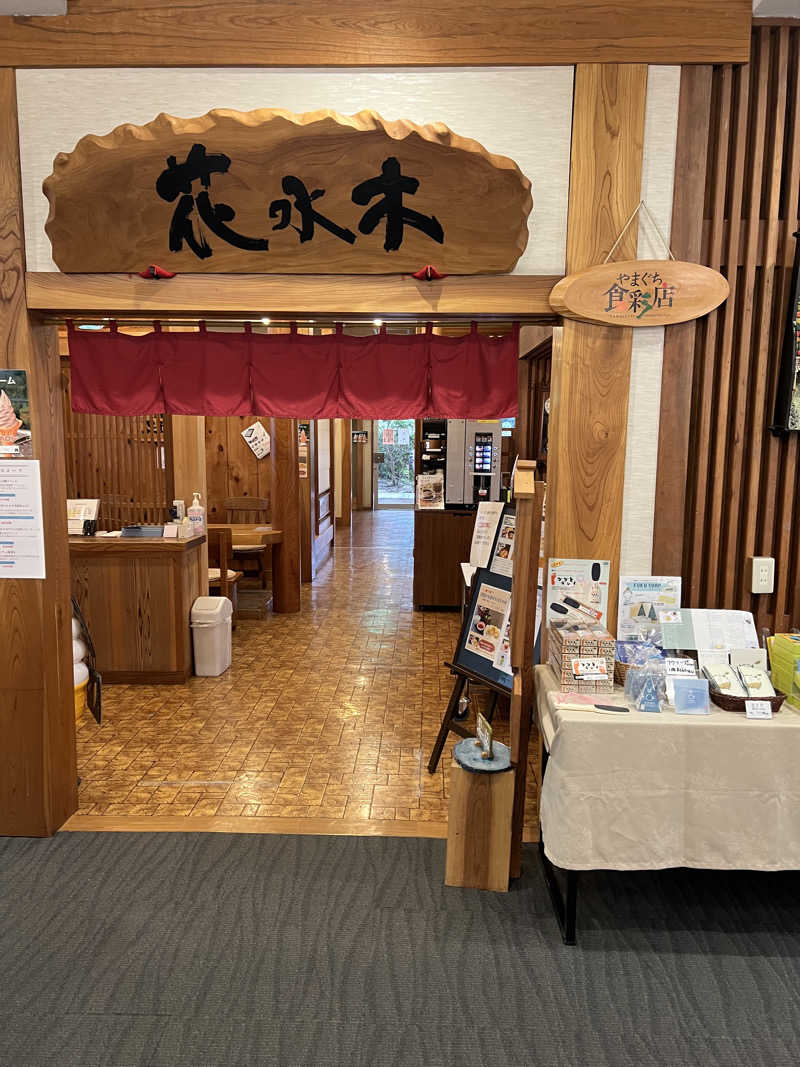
[21, 522]
[577, 592]
[502, 656]
[503, 559]
[430, 492]
[15, 415]
[641, 598]
[488, 621]
[258, 440]
[707, 629]
[483, 533]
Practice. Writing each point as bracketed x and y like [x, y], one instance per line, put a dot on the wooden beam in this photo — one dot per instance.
[591, 365]
[694, 115]
[275, 33]
[38, 773]
[281, 295]
[285, 515]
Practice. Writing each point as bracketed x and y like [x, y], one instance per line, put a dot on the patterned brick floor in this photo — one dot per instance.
[330, 713]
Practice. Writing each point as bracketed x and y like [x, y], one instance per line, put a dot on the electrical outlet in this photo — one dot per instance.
[762, 575]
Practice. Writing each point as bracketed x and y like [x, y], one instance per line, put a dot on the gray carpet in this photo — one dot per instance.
[198, 950]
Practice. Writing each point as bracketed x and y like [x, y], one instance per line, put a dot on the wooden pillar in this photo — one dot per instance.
[529, 497]
[591, 366]
[285, 515]
[38, 773]
[189, 471]
[346, 518]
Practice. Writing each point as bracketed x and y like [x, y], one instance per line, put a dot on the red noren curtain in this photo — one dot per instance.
[387, 376]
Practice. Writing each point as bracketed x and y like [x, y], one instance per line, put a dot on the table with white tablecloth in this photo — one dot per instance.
[654, 790]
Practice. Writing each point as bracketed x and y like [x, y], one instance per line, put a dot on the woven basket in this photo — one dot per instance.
[80, 699]
[621, 671]
[731, 703]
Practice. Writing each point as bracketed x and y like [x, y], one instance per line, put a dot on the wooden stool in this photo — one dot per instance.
[479, 818]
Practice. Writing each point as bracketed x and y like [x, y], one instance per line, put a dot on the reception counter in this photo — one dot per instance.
[136, 596]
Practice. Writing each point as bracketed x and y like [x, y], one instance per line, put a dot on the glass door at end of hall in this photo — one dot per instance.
[394, 484]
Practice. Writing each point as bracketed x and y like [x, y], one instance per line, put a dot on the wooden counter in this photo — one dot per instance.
[136, 595]
[442, 541]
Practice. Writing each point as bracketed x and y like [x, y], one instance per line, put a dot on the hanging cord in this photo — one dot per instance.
[641, 206]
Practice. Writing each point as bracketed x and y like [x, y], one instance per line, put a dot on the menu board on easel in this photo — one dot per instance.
[484, 643]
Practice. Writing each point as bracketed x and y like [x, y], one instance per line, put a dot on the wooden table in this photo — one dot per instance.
[249, 533]
[649, 791]
[253, 533]
[136, 595]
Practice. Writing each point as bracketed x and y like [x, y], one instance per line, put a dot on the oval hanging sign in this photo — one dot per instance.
[640, 292]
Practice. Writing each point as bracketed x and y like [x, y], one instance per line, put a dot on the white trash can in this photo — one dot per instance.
[211, 635]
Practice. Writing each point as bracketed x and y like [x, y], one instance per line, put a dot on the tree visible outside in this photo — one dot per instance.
[396, 473]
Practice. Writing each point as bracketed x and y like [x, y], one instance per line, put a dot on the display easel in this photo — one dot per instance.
[529, 499]
[450, 724]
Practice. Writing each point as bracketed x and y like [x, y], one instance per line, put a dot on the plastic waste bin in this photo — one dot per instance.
[211, 635]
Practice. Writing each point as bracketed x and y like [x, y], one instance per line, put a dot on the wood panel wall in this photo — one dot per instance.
[231, 467]
[124, 462]
[734, 485]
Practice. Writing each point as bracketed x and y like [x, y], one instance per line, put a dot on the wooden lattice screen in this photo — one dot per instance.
[737, 205]
[125, 462]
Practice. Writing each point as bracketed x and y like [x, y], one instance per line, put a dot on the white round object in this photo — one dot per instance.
[80, 674]
[76, 628]
[79, 650]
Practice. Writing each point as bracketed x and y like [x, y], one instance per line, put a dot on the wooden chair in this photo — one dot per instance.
[221, 574]
[249, 509]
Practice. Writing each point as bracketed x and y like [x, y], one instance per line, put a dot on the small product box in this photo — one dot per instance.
[583, 660]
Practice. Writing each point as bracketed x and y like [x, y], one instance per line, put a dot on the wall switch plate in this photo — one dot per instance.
[762, 575]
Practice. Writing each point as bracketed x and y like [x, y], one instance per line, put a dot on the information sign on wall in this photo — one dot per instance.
[273, 192]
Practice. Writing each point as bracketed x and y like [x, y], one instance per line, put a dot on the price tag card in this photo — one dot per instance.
[589, 668]
[675, 667]
[758, 709]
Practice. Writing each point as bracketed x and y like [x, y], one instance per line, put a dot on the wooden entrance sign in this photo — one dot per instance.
[272, 192]
[639, 292]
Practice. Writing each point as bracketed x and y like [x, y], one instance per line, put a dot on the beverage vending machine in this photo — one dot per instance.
[468, 451]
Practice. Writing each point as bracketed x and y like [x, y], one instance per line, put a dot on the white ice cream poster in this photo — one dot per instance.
[15, 415]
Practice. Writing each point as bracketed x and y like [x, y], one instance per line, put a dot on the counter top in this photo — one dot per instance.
[79, 545]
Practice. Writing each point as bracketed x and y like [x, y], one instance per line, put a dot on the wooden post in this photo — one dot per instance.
[478, 817]
[591, 366]
[529, 497]
[285, 515]
[345, 519]
[189, 472]
[38, 772]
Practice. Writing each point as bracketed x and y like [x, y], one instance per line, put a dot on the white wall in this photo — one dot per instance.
[525, 113]
[644, 403]
[521, 112]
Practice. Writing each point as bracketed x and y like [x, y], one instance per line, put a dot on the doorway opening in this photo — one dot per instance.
[394, 484]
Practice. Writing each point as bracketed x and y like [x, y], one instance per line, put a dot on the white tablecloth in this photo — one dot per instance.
[647, 791]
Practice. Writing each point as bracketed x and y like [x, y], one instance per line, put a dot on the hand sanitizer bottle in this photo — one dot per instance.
[196, 514]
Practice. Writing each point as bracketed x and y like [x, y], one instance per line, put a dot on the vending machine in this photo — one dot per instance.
[468, 451]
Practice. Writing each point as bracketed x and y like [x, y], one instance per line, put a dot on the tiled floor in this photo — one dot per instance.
[327, 714]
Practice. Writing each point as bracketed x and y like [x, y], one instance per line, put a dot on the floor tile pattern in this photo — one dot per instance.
[330, 713]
